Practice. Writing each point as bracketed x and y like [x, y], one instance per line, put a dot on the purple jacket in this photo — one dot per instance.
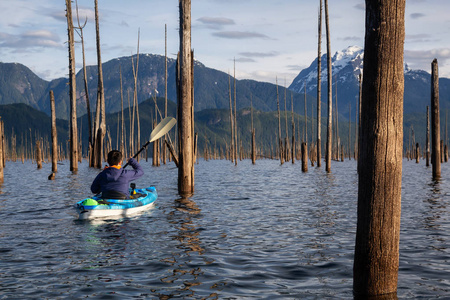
[116, 180]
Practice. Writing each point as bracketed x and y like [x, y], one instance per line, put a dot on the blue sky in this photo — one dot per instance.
[268, 38]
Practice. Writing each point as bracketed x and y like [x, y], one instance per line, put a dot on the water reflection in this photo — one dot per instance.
[184, 218]
[392, 296]
[104, 243]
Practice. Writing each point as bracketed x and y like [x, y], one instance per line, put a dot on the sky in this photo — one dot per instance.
[269, 40]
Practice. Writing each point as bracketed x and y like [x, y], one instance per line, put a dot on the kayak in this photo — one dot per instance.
[96, 207]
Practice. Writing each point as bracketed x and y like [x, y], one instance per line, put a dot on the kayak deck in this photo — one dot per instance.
[96, 207]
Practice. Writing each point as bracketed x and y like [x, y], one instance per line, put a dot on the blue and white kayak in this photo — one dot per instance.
[96, 207]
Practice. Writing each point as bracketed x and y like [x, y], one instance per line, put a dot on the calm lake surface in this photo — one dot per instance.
[249, 232]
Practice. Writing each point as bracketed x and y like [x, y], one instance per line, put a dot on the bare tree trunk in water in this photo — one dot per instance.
[100, 114]
[185, 103]
[330, 100]
[73, 153]
[376, 261]
[319, 66]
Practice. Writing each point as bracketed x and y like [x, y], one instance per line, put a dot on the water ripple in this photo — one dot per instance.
[260, 231]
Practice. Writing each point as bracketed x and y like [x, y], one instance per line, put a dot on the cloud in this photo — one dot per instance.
[245, 60]
[421, 59]
[83, 13]
[351, 38]
[296, 68]
[30, 39]
[215, 22]
[419, 38]
[360, 6]
[239, 35]
[417, 15]
[259, 54]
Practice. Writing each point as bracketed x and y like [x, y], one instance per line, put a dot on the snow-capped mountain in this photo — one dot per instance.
[346, 67]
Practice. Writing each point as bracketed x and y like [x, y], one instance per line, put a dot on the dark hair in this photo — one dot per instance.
[114, 157]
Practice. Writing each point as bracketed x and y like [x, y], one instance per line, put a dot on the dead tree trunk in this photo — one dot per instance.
[185, 103]
[427, 143]
[72, 92]
[235, 118]
[376, 259]
[293, 130]
[165, 93]
[100, 114]
[253, 135]
[304, 157]
[280, 141]
[319, 79]
[417, 153]
[231, 120]
[54, 135]
[86, 90]
[330, 100]
[1, 152]
[435, 128]
[38, 155]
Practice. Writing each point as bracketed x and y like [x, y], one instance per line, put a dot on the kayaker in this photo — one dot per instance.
[113, 182]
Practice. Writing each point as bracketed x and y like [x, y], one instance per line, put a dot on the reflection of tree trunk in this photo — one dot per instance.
[379, 190]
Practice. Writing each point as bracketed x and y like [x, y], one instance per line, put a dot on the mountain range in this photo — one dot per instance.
[18, 84]
[346, 67]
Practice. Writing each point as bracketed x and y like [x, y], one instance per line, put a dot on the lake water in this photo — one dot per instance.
[260, 231]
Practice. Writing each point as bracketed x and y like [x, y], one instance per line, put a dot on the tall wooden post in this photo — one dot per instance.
[38, 155]
[427, 143]
[280, 141]
[435, 128]
[185, 103]
[376, 259]
[1, 152]
[73, 153]
[165, 94]
[330, 100]
[417, 153]
[304, 157]
[253, 135]
[319, 88]
[231, 121]
[293, 130]
[54, 134]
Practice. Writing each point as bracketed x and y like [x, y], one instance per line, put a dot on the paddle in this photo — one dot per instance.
[161, 129]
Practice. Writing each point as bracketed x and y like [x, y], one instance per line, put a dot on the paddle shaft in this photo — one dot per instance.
[163, 127]
[142, 149]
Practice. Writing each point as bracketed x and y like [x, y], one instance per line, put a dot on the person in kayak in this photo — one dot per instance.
[113, 182]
